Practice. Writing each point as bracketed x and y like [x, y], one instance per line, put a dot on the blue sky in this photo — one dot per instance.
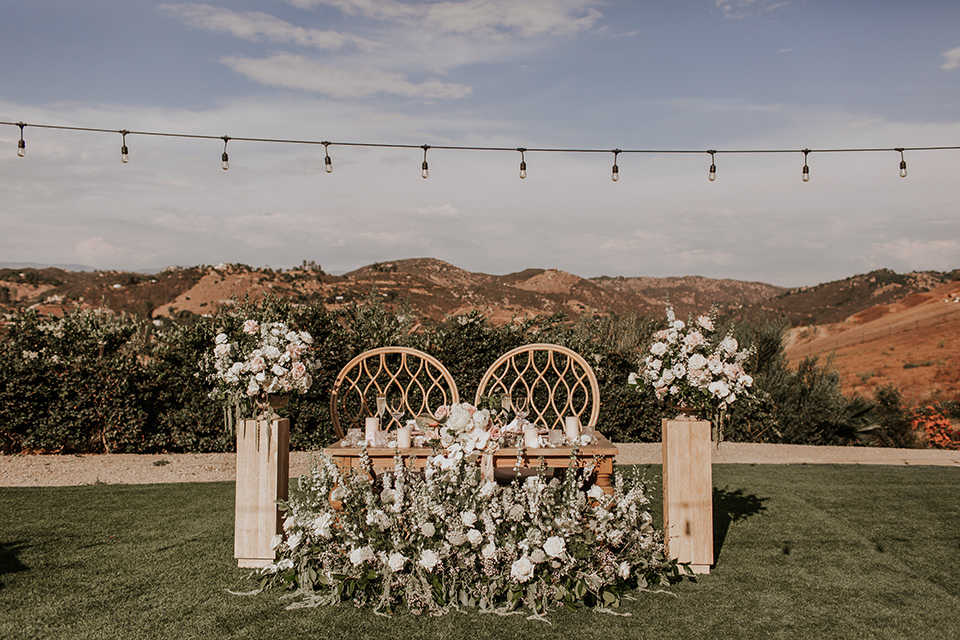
[580, 74]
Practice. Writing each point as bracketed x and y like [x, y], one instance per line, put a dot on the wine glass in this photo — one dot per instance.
[396, 410]
[520, 406]
[381, 405]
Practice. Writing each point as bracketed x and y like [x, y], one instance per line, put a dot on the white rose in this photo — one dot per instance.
[222, 350]
[474, 536]
[658, 348]
[294, 539]
[596, 493]
[253, 388]
[729, 344]
[468, 518]
[427, 529]
[655, 365]
[554, 546]
[678, 325]
[522, 569]
[221, 338]
[321, 526]
[428, 559]
[396, 561]
[696, 362]
[250, 327]
[361, 555]
[705, 323]
[489, 550]
[679, 370]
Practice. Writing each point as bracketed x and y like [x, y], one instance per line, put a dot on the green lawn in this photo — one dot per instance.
[806, 551]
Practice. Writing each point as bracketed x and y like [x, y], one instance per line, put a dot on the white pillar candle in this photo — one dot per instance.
[571, 427]
[531, 438]
[403, 437]
[371, 426]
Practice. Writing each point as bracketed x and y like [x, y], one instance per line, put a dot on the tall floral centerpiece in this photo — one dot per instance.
[262, 363]
[690, 370]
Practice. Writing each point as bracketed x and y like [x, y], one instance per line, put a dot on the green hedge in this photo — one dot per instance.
[92, 382]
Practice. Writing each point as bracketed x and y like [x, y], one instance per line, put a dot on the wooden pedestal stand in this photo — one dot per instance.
[263, 462]
[688, 492]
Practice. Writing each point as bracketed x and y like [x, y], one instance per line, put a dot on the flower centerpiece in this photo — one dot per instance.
[264, 362]
[688, 369]
[451, 539]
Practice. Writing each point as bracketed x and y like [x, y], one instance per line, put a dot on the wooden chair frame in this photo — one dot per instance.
[421, 379]
[546, 372]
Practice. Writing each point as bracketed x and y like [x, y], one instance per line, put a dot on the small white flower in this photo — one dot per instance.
[427, 529]
[322, 525]
[468, 518]
[624, 570]
[221, 338]
[658, 348]
[474, 536]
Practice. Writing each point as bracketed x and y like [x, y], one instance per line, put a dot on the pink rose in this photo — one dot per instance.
[251, 327]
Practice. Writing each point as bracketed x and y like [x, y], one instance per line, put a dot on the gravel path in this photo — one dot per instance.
[53, 470]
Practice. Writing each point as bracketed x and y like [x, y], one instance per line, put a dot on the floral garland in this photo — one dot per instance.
[450, 539]
[685, 368]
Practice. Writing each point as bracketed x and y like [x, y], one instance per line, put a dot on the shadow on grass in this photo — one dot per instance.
[9, 562]
[730, 507]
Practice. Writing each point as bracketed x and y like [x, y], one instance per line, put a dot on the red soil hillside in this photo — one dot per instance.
[913, 344]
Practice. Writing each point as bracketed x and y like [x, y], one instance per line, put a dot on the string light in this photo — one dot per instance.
[903, 163]
[225, 159]
[425, 169]
[615, 174]
[124, 154]
[523, 163]
[327, 162]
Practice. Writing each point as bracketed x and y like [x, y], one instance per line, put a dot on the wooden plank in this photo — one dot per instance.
[688, 492]
[263, 468]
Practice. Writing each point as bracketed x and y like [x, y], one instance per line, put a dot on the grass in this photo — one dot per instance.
[804, 551]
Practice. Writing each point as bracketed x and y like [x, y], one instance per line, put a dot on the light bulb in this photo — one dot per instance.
[425, 172]
[903, 168]
[225, 161]
[21, 148]
[328, 164]
[124, 155]
[806, 173]
[616, 173]
[713, 173]
[523, 170]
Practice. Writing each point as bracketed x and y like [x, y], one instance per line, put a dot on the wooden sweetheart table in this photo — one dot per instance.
[505, 459]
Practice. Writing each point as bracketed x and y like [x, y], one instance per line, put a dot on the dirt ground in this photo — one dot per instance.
[71, 470]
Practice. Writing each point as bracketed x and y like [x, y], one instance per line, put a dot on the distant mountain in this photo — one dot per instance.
[435, 289]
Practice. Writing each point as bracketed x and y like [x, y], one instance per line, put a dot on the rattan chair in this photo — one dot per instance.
[418, 378]
[557, 381]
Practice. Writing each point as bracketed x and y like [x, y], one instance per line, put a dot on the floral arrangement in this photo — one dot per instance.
[450, 539]
[265, 359]
[687, 369]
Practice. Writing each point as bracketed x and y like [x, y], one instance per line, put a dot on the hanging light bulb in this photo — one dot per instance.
[806, 170]
[615, 174]
[523, 163]
[124, 154]
[225, 159]
[903, 165]
[425, 168]
[712, 175]
[327, 162]
[21, 146]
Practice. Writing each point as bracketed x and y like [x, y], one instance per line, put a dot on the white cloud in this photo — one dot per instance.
[257, 26]
[96, 250]
[740, 9]
[951, 59]
[529, 18]
[436, 211]
[298, 72]
[918, 255]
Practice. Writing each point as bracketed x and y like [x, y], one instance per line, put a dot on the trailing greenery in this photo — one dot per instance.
[95, 382]
[801, 553]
